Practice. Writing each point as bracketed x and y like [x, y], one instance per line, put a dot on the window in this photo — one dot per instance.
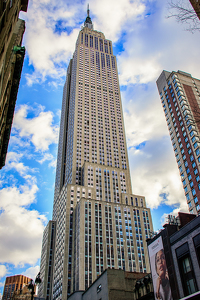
[194, 165]
[189, 279]
[193, 192]
[197, 151]
[99, 288]
[186, 270]
[188, 196]
[195, 199]
[193, 139]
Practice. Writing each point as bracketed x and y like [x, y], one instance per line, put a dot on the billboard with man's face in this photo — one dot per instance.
[159, 271]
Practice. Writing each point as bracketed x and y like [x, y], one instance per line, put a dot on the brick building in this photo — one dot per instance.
[14, 283]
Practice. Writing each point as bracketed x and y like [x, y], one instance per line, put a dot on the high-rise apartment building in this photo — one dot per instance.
[180, 97]
[14, 283]
[11, 62]
[99, 222]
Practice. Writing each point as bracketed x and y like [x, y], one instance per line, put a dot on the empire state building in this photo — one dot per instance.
[97, 222]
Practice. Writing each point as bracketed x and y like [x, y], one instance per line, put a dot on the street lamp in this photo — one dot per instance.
[32, 285]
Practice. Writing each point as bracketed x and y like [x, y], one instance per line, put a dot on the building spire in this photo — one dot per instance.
[88, 21]
[88, 10]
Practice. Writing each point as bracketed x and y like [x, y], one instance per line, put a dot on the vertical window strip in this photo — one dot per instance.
[113, 62]
[91, 41]
[96, 42]
[110, 47]
[102, 60]
[101, 44]
[106, 46]
[86, 39]
[108, 60]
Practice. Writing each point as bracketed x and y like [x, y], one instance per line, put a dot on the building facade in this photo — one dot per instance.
[47, 258]
[14, 283]
[115, 284]
[180, 97]
[196, 6]
[99, 222]
[11, 61]
[177, 248]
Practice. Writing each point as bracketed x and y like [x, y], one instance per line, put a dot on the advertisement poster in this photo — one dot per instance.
[159, 272]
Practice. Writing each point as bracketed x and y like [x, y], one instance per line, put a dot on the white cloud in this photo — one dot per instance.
[143, 114]
[50, 39]
[136, 69]
[112, 17]
[155, 44]
[13, 162]
[48, 157]
[3, 271]
[153, 166]
[47, 48]
[155, 174]
[39, 129]
[20, 228]
[32, 272]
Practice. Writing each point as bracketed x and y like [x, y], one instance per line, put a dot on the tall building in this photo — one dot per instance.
[180, 97]
[12, 284]
[99, 222]
[11, 62]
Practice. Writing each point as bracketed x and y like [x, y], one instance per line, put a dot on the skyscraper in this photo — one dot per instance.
[99, 222]
[180, 97]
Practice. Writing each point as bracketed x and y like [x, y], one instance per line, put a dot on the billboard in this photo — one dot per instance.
[159, 271]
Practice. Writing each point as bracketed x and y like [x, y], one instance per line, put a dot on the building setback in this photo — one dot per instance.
[180, 97]
[11, 62]
[14, 283]
[99, 222]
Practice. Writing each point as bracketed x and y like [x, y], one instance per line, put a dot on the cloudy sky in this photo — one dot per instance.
[145, 42]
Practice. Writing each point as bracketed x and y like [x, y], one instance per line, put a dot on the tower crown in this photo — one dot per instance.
[88, 21]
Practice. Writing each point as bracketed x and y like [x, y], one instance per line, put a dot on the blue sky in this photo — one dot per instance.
[145, 42]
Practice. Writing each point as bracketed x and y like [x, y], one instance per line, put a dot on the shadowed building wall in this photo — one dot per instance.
[11, 62]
